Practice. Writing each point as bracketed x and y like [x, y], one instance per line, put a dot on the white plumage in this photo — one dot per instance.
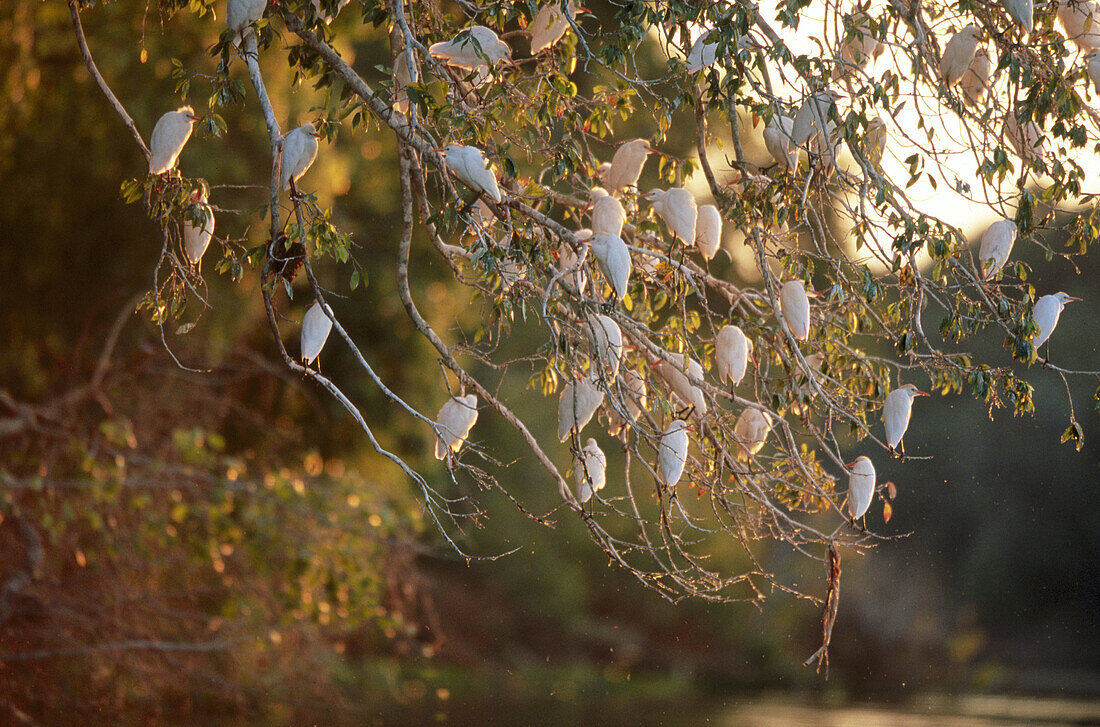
[468, 164]
[703, 53]
[813, 116]
[1027, 140]
[170, 133]
[794, 306]
[863, 47]
[777, 138]
[958, 53]
[299, 153]
[608, 214]
[673, 372]
[751, 431]
[316, 325]
[975, 81]
[896, 411]
[708, 231]
[672, 453]
[861, 487]
[1021, 11]
[402, 77]
[1081, 21]
[633, 396]
[479, 48]
[591, 471]
[613, 258]
[239, 14]
[731, 354]
[1048, 310]
[995, 247]
[568, 259]
[579, 401]
[456, 418]
[197, 239]
[607, 338]
[550, 25]
[1093, 69]
[677, 208]
[626, 165]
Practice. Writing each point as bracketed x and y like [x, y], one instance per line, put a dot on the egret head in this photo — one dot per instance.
[912, 390]
[654, 195]
[188, 112]
[310, 130]
[974, 32]
[1093, 55]
[1064, 298]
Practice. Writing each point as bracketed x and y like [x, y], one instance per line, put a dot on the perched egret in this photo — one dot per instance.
[896, 411]
[1048, 310]
[672, 453]
[673, 372]
[861, 487]
[568, 259]
[591, 471]
[794, 307]
[1081, 21]
[455, 420]
[475, 48]
[823, 149]
[677, 208]
[958, 53]
[626, 165]
[1027, 140]
[814, 361]
[608, 214]
[1023, 12]
[634, 399]
[324, 15]
[995, 247]
[874, 141]
[578, 402]
[316, 325]
[402, 77]
[608, 339]
[777, 138]
[862, 47]
[613, 258]
[703, 53]
[708, 231]
[170, 133]
[239, 14]
[1093, 68]
[751, 431]
[602, 172]
[468, 164]
[813, 116]
[550, 24]
[196, 239]
[975, 82]
[731, 354]
[299, 153]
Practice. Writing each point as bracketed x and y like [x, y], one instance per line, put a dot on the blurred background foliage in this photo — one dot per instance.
[222, 542]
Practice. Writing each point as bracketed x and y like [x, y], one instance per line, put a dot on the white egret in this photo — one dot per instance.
[299, 153]
[626, 165]
[613, 258]
[703, 53]
[240, 14]
[475, 48]
[316, 325]
[677, 208]
[896, 411]
[1048, 310]
[170, 133]
[197, 239]
[608, 214]
[550, 24]
[324, 15]
[777, 138]
[634, 399]
[1023, 12]
[672, 453]
[975, 82]
[1093, 68]
[861, 487]
[794, 307]
[708, 231]
[731, 354]
[995, 247]
[673, 372]
[751, 431]
[813, 116]
[568, 259]
[455, 420]
[402, 77]
[1081, 21]
[814, 361]
[862, 47]
[591, 471]
[579, 401]
[469, 165]
[608, 340]
[1027, 140]
[958, 53]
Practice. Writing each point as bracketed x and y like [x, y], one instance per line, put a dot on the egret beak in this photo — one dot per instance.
[923, 393]
[439, 151]
[193, 117]
[850, 464]
[1073, 298]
